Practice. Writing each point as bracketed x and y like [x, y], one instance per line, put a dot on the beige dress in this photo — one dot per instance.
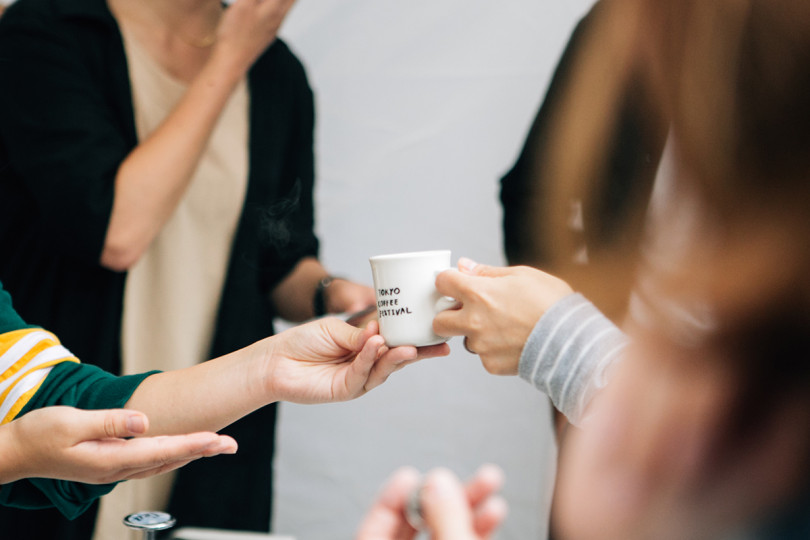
[173, 292]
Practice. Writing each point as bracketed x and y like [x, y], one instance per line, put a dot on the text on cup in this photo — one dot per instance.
[388, 304]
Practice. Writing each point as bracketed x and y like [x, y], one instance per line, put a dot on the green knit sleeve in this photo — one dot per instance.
[9, 319]
[85, 387]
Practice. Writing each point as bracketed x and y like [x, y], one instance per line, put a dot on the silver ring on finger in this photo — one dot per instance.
[467, 345]
[414, 514]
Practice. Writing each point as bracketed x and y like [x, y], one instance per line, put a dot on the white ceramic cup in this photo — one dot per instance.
[407, 299]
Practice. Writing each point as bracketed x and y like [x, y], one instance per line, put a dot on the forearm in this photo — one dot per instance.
[11, 465]
[293, 296]
[568, 353]
[152, 179]
[208, 396]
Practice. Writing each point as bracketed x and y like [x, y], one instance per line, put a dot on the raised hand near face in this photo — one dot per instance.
[248, 27]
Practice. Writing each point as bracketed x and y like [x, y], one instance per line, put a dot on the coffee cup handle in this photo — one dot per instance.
[445, 302]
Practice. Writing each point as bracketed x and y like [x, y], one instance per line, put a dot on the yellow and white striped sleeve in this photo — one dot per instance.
[26, 358]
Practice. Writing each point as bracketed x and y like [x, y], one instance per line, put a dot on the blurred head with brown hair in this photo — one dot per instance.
[710, 431]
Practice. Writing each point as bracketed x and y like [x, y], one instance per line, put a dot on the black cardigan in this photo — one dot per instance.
[66, 124]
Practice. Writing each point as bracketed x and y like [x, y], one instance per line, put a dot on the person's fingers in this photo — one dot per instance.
[274, 9]
[432, 351]
[370, 330]
[454, 284]
[466, 265]
[347, 336]
[373, 327]
[472, 268]
[445, 507]
[148, 452]
[489, 515]
[109, 423]
[376, 362]
[363, 317]
[451, 322]
[155, 471]
[137, 458]
[487, 480]
[406, 364]
[483, 270]
[223, 445]
[400, 485]
[390, 361]
[386, 518]
[359, 372]
[489, 509]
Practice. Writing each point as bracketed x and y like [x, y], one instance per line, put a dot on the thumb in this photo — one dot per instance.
[470, 267]
[347, 336]
[445, 507]
[112, 423]
[362, 335]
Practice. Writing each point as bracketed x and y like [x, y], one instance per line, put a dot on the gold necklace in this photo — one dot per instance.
[203, 43]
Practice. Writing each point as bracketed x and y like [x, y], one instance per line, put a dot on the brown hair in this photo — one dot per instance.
[731, 80]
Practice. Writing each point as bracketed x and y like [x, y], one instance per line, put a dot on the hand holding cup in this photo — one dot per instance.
[499, 308]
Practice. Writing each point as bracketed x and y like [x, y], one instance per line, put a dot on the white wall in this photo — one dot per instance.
[421, 107]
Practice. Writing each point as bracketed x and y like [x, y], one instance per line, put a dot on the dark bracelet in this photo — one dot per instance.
[319, 300]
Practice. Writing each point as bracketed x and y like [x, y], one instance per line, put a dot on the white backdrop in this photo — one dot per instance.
[421, 107]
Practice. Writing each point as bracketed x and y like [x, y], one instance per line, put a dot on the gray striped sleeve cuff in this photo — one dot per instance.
[568, 353]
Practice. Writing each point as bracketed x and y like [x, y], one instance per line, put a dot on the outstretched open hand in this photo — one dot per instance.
[95, 447]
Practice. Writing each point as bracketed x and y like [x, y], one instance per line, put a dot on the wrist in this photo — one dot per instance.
[225, 67]
[12, 466]
[262, 376]
[320, 304]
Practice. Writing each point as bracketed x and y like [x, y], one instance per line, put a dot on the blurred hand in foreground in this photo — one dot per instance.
[450, 510]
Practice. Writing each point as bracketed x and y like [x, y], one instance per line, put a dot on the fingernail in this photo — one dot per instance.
[231, 446]
[228, 445]
[466, 264]
[222, 447]
[440, 484]
[136, 424]
[495, 473]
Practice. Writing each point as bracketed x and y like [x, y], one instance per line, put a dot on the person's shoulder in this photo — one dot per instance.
[32, 28]
[27, 8]
[26, 19]
[48, 11]
[279, 56]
